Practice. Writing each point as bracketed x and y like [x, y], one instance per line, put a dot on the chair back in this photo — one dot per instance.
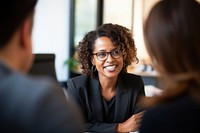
[44, 65]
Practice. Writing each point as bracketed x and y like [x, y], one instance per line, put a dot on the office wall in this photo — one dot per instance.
[51, 32]
[118, 12]
[130, 14]
[141, 10]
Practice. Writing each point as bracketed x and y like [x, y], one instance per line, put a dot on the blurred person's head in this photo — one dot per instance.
[110, 49]
[16, 21]
[172, 37]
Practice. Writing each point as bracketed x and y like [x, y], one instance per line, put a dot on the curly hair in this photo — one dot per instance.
[121, 38]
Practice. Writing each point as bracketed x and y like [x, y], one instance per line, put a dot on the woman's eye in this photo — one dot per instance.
[115, 52]
[102, 54]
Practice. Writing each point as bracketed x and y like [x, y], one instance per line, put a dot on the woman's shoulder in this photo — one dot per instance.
[130, 76]
[79, 80]
[185, 104]
[169, 114]
[81, 77]
[132, 80]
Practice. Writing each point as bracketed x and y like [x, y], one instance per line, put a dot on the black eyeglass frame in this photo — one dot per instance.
[107, 53]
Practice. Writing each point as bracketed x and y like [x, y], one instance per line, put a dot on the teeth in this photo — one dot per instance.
[110, 68]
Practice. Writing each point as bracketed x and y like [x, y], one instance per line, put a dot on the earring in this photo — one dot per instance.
[93, 68]
[124, 64]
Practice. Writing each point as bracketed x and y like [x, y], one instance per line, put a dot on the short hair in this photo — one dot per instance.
[12, 15]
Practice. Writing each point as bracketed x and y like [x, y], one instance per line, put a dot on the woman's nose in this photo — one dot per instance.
[110, 58]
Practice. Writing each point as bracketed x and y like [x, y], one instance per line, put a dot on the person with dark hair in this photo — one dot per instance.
[107, 94]
[28, 104]
[172, 36]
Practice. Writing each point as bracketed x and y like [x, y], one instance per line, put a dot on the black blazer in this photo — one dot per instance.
[86, 93]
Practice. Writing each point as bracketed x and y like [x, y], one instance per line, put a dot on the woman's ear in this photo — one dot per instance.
[92, 61]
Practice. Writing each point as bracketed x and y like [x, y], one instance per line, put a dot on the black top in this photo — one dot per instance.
[102, 116]
[179, 116]
[109, 109]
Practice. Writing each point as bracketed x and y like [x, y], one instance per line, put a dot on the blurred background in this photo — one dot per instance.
[61, 24]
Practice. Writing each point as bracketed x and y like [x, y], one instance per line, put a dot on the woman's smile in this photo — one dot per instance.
[110, 67]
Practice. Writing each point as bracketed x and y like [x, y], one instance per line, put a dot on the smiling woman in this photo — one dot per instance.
[107, 95]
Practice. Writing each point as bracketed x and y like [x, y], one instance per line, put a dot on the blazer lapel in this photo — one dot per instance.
[96, 100]
[122, 101]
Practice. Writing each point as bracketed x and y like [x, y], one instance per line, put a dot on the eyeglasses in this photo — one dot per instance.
[102, 56]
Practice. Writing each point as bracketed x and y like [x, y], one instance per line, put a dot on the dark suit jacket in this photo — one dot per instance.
[30, 105]
[182, 115]
[85, 91]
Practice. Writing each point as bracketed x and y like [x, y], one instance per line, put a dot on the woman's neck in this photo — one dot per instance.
[108, 87]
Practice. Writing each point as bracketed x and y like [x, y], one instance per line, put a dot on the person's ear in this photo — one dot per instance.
[92, 60]
[26, 30]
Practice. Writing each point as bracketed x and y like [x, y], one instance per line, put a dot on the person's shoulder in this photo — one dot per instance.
[40, 97]
[184, 104]
[33, 84]
[181, 112]
[131, 75]
[132, 78]
[38, 80]
[16, 84]
[79, 79]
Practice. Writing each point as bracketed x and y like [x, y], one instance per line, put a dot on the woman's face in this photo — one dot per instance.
[111, 66]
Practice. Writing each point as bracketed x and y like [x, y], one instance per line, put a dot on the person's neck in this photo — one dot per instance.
[10, 58]
[8, 63]
[107, 83]
[108, 87]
